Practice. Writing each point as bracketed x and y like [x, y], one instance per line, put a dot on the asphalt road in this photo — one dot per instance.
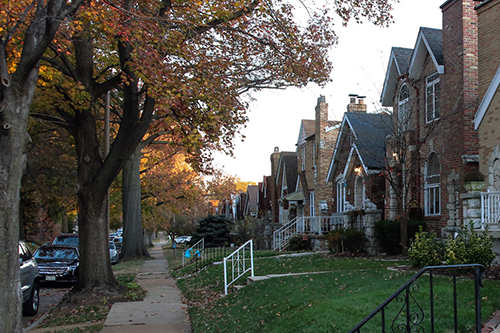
[49, 298]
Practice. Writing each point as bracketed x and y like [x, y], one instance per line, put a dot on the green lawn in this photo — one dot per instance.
[331, 301]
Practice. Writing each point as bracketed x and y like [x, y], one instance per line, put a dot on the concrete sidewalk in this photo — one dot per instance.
[161, 310]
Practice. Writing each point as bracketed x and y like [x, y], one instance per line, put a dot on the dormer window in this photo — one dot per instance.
[432, 98]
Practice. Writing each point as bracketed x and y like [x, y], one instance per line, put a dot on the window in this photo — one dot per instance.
[432, 98]
[404, 107]
[312, 211]
[433, 187]
[303, 157]
[341, 186]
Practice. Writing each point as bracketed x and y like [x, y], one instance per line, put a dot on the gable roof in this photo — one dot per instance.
[398, 65]
[370, 131]
[287, 168]
[411, 61]
[428, 41]
[488, 97]
[307, 128]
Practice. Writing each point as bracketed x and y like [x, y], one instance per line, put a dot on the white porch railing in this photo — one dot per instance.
[238, 263]
[193, 252]
[490, 209]
[306, 225]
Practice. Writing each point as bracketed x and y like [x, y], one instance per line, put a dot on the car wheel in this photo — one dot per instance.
[30, 307]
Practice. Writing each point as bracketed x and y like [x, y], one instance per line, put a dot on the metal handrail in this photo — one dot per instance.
[194, 251]
[305, 224]
[412, 325]
[490, 208]
[237, 261]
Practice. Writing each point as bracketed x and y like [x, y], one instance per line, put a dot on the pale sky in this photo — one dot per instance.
[360, 61]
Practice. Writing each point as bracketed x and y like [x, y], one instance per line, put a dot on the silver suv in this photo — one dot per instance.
[30, 280]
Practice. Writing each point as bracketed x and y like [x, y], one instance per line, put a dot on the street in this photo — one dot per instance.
[49, 298]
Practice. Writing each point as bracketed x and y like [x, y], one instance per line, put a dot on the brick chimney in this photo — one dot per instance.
[460, 53]
[356, 103]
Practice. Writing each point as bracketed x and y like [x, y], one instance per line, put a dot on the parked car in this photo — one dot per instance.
[118, 243]
[30, 280]
[67, 239]
[113, 252]
[182, 239]
[58, 263]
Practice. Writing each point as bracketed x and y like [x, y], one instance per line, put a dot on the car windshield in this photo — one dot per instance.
[56, 253]
[69, 240]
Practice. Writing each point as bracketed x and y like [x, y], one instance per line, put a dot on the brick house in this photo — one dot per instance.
[315, 147]
[487, 117]
[433, 90]
[264, 202]
[359, 160]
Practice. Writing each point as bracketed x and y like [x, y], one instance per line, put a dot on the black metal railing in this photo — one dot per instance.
[207, 256]
[410, 316]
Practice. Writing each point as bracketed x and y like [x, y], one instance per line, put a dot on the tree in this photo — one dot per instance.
[27, 29]
[186, 63]
[47, 188]
[215, 230]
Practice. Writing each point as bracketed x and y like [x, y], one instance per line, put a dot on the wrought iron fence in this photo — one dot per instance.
[410, 315]
[193, 252]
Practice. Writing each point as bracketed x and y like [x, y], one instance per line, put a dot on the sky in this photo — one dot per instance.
[360, 61]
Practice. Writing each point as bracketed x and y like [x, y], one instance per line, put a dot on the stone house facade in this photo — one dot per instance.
[433, 91]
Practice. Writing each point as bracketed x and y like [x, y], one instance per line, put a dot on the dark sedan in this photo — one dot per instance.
[58, 263]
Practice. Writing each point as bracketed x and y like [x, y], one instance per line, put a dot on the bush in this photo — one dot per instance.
[388, 234]
[297, 243]
[474, 176]
[351, 240]
[425, 249]
[469, 247]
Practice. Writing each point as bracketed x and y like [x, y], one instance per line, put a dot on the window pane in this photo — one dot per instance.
[436, 100]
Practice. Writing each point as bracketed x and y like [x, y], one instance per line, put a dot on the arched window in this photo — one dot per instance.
[433, 186]
[404, 107]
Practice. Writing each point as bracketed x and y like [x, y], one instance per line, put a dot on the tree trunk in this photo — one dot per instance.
[133, 240]
[95, 273]
[14, 110]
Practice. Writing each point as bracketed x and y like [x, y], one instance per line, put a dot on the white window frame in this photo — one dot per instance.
[432, 190]
[432, 98]
[312, 210]
[341, 191]
[303, 157]
[403, 108]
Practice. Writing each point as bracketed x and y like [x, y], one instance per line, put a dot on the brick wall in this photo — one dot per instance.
[489, 61]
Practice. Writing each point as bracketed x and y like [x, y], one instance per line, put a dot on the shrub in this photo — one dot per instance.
[425, 249]
[469, 247]
[297, 243]
[351, 240]
[388, 234]
[474, 176]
